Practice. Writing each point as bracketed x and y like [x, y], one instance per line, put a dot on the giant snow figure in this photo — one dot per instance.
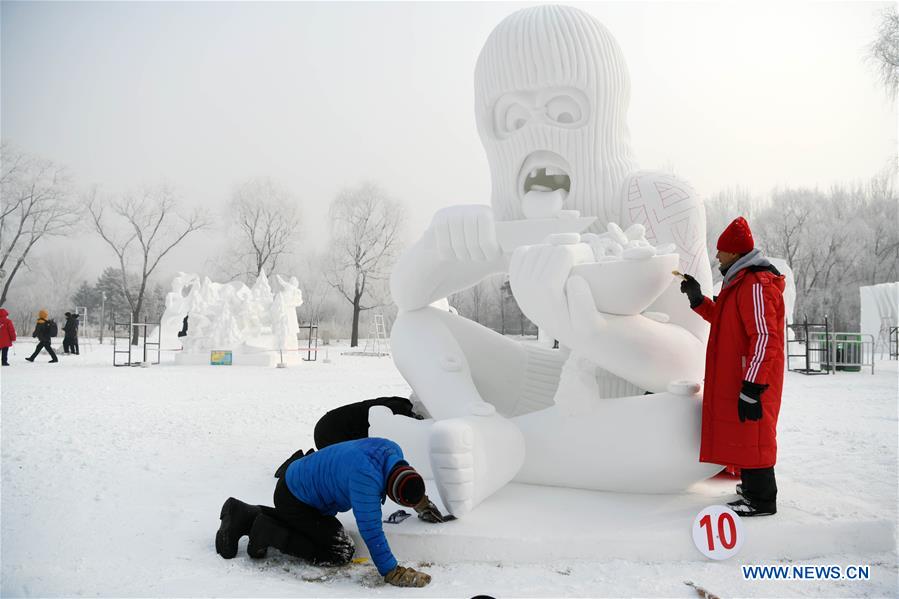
[551, 95]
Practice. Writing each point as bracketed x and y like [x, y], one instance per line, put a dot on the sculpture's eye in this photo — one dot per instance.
[516, 117]
[564, 110]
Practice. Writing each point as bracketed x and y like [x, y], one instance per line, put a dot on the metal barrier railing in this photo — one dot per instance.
[850, 352]
[822, 351]
[143, 350]
[813, 347]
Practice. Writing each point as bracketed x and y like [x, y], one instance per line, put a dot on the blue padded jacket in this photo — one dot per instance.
[350, 475]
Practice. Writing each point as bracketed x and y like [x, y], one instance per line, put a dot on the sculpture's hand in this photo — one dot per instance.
[465, 233]
[539, 276]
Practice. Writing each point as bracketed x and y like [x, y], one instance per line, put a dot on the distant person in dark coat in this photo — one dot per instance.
[70, 340]
[43, 331]
[7, 334]
[350, 422]
[183, 331]
[356, 475]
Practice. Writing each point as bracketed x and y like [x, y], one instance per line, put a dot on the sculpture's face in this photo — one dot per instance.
[543, 180]
[551, 92]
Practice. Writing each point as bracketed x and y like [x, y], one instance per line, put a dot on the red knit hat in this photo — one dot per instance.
[737, 237]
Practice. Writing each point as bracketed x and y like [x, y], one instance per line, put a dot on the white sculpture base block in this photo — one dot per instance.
[530, 524]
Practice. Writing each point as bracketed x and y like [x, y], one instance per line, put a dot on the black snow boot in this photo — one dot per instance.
[237, 519]
[748, 509]
[266, 532]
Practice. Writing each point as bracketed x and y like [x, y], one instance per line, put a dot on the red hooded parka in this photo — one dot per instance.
[745, 343]
[7, 330]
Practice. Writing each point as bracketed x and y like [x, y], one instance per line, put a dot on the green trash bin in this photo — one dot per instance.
[849, 349]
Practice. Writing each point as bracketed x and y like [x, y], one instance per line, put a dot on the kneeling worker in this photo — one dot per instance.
[352, 475]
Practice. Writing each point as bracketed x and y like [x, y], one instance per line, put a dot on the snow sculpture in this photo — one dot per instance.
[284, 315]
[790, 290]
[879, 310]
[230, 316]
[551, 93]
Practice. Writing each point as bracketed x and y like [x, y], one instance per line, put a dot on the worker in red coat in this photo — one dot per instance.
[744, 368]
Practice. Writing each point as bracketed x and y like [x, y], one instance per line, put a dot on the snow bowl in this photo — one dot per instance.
[627, 287]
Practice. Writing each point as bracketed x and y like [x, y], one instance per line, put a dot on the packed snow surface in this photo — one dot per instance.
[112, 480]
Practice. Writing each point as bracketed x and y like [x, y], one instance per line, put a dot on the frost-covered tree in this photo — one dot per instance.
[141, 230]
[883, 52]
[267, 221]
[365, 241]
[36, 203]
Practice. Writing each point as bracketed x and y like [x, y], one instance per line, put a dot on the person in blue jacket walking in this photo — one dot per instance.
[353, 475]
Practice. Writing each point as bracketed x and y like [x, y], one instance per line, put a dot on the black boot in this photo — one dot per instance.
[266, 532]
[237, 519]
[748, 509]
[31, 359]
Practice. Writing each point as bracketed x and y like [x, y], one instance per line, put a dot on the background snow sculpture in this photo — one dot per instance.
[283, 315]
[251, 322]
[551, 94]
[879, 305]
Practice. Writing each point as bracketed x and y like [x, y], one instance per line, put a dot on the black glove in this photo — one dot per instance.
[749, 406]
[691, 287]
[428, 512]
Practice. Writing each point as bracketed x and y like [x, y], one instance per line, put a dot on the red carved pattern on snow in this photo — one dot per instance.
[633, 191]
[685, 236]
[638, 214]
[670, 192]
[682, 222]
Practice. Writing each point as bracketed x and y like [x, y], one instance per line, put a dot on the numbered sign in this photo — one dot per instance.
[718, 532]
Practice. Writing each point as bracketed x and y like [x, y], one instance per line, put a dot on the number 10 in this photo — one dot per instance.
[723, 535]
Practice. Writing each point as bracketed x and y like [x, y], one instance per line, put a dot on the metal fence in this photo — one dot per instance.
[808, 347]
[822, 351]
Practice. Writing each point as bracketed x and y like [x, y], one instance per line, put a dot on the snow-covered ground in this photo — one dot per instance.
[112, 480]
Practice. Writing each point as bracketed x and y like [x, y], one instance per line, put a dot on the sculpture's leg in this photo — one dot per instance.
[452, 365]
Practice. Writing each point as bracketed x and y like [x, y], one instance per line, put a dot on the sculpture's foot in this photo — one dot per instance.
[473, 457]
[412, 436]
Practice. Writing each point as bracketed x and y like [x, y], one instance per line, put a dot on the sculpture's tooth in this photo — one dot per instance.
[540, 188]
[550, 171]
[534, 174]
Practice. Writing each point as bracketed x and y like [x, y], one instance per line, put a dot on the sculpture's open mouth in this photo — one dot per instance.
[544, 184]
[547, 179]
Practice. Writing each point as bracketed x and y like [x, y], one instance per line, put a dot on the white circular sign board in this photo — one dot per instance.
[718, 532]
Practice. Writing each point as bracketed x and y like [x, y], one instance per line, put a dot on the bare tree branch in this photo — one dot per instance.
[37, 203]
[267, 220]
[883, 52]
[152, 229]
[365, 241]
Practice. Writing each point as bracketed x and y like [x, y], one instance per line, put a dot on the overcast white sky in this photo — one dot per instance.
[322, 95]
